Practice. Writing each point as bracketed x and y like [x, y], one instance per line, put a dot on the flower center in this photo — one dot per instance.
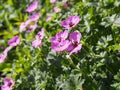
[71, 24]
[9, 84]
[59, 39]
[75, 44]
[39, 35]
[14, 40]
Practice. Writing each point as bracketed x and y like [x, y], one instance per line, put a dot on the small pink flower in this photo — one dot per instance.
[36, 43]
[22, 27]
[40, 35]
[8, 84]
[31, 28]
[65, 5]
[48, 18]
[34, 17]
[3, 55]
[74, 45]
[14, 41]
[59, 42]
[32, 7]
[70, 22]
[52, 1]
[56, 9]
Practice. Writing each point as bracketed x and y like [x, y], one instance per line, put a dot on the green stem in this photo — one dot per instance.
[73, 65]
[76, 58]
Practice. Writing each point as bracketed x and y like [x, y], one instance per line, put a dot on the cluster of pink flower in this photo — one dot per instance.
[24, 25]
[8, 82]
[31, 23]
[60, 42]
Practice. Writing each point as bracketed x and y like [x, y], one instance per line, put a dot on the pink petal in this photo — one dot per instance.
[76, 49]
[22, 26]
[52, 1]
[75, 36]
[56, 9]
[32, 28]
[48, 18]
[70, 47]
[3, 57]
[60, 46]
[14, 41]
[40, 35]
[34, 17]
[32, 7]
[7, 49]
[36, 43]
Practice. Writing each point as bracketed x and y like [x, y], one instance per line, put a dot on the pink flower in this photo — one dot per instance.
[56, 9]
[34, 17]
[65, 5]
[32, 7]
[40, 35]
[60, 46]
[48, 18]
[52, 1]
[3, 57]
[22, 26]
[14, 41]
[74, 45]
[59, 42]
[59, 36]
[8, 84]
[70, 22]
[31, 28]
[4, 54]
[38, 41]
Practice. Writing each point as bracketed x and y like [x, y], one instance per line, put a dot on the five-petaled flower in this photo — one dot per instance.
[74, 45]
[14, 41]
[32, 7]
[8, 84]
[70, 22]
